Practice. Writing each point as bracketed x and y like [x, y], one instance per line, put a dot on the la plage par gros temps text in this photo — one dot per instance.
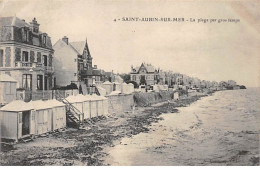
[197, 20]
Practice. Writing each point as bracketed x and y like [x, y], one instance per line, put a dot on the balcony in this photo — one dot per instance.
[26, 64]
[36, 66]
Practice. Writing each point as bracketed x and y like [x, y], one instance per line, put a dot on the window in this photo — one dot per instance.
[1, 58]
[27, 81]
[134, 78]
[35, 30]
[44, 40]
[39, 57]
[39, 82]
[25, 56]
[45, 60]
[26, 35]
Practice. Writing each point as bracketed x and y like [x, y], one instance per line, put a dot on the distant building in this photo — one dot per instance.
[231, 83]
[145, 74]
[26, 54]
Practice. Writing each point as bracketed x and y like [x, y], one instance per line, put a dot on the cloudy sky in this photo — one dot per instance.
[210, 51]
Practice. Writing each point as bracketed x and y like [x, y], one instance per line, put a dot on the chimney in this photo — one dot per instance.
[65, 39]
[34, 26]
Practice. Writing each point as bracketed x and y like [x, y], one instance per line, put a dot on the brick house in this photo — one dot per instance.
[26, 54]
[145, 74]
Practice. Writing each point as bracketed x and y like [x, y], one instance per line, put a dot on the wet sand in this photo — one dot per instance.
[89, 145]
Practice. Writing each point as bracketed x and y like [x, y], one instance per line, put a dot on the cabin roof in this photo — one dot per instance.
[17, 106]
[6, 78]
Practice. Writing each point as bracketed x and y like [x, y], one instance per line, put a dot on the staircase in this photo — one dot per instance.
[73, 115]
[26, 139]
[96, 91]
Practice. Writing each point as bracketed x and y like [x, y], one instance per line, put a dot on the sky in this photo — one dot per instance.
[209, 51]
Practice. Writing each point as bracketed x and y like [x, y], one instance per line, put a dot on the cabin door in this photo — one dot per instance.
[32, 126]
[25, 123]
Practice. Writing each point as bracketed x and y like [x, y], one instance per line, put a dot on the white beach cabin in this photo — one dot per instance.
[58, 114]
[7, 89]
[108, 86]
[17, 120]
[77, 102]
[43, 116]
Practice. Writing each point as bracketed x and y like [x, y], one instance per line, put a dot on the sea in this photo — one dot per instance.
[218, 130]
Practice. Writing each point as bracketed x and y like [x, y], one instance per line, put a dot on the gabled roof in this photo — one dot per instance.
[79, 46]
[6, 78]
[149, 68]
[60, 41]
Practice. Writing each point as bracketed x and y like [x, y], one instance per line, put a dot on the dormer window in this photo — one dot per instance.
[26, 35]
[35, 30]
[44, 40]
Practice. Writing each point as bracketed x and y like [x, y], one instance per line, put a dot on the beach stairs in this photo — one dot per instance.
[96, 91]
[73, 116]
[26, 139]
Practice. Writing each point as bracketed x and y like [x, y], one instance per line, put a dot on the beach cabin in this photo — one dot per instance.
[17, 120]
[108, 86]
[101, 90]
[86, 105]
[156, 88]
[93, 106]
[176, 96]
[104, 105]
[77, 103]
[7, 89]
[116, 86]
[127, 88]
[43, 116]
[100, 105]
[131, 88]
[124, 88]
[58, 114]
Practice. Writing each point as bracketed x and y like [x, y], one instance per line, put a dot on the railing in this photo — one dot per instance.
[72, 109]
[26, 64]
[48, 68]
[35, 65]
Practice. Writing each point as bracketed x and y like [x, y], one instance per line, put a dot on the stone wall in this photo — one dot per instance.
[146, 99]
[120, 103]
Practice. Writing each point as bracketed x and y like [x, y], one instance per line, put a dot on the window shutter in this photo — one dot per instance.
[17, 54]
[39, 59]
[1, 58]
[32, 56]
[7, 56]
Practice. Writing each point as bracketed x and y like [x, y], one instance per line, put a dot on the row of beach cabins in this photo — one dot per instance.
[21, 119]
